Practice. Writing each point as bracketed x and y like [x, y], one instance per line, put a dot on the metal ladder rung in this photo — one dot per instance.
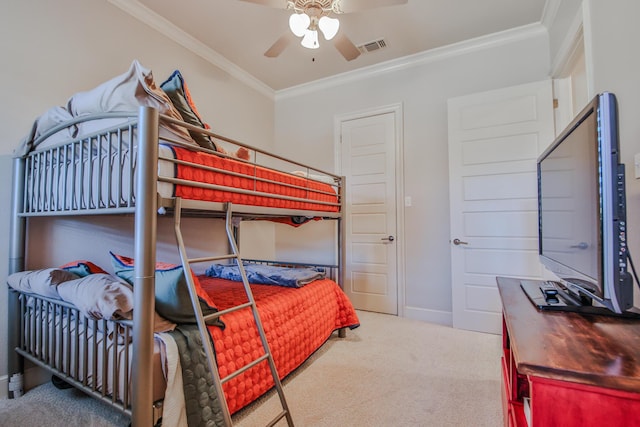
[212, 258]
[278, 418]
[225, 311]
[244, 368]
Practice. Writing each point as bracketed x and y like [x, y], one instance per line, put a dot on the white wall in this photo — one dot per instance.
[5, 196]
[613, 31]
[304, 130]
[77, 45]
[53, 49]
[610, 31]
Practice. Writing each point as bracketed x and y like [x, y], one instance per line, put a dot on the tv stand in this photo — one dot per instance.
[567, 369]
[552, 296]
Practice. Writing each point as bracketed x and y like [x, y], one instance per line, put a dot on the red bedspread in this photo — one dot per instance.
[297, 321]
[246, 176]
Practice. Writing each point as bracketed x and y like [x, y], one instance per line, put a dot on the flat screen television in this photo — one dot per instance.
[582, 216]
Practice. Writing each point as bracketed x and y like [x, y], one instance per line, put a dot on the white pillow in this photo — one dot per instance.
[322, 178]
[99, 296]
[126, 93]
[42, 282]
[51, 118]
[102, 296]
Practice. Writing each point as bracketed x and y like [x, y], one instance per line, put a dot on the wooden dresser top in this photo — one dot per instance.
[589, 349]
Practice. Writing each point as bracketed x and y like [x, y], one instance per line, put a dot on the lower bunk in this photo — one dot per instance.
[67, 338]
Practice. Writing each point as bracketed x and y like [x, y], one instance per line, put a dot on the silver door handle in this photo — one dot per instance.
[459, 242]
[388, 239]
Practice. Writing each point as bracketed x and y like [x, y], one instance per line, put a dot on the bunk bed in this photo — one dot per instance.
[162, 161]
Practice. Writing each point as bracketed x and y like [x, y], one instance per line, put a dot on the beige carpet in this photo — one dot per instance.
[388, 372]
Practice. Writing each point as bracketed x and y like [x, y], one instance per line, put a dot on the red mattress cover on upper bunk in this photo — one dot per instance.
[290, 185]
[297, 321]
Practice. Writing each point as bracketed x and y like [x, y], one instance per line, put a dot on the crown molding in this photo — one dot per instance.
[433, 55]
[571, 45]
[550, 12]
[166, 28]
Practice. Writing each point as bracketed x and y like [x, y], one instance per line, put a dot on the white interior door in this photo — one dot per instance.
[494, 140]
[368, 161]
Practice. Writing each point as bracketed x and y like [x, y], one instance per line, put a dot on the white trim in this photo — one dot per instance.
[433, 55]
[568, 49]
[430, 316]
[588, 46]
[398, 112]
[550, 12]
[564, 112]
[33, 376]
[166, 28]
[4, 386]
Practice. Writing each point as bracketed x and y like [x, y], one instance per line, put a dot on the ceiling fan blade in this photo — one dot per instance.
[346, 47]
[348, 6]
[280, 45]
[280, 4]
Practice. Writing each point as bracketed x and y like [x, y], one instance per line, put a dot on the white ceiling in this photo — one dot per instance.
[240, 32]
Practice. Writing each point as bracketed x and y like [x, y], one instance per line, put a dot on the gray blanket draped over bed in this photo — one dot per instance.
[201, 400]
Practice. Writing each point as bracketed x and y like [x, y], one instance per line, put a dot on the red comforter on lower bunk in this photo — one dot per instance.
[297, 321]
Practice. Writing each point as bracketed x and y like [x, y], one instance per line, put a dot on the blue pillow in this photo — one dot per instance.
[172, 294]
[82, 268]
[177, 91]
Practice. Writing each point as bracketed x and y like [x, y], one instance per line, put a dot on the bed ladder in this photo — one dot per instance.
[202, 319]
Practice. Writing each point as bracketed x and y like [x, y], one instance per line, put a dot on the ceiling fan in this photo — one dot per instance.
[309, 16]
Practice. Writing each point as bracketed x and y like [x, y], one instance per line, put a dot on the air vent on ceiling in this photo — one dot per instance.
[372, 46]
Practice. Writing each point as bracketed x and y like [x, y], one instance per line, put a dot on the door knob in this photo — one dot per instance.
[459, 242]
[388, 239]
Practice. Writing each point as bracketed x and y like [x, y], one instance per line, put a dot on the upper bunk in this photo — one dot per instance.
[87, 159]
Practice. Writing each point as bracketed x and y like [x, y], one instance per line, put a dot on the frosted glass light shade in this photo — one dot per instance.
[310, 40]
[329, 27]
[298, 23]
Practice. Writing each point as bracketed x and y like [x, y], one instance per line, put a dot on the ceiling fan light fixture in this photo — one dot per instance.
[298, 23]
[310, 40]
[328, 26]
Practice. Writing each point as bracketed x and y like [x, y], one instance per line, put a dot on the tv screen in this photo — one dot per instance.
[581, 211]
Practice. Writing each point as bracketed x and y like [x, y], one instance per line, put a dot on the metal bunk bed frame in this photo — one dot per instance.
[145, 204]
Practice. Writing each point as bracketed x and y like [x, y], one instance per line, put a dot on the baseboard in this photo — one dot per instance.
[33, 377]
[430, 316]
[4, 386]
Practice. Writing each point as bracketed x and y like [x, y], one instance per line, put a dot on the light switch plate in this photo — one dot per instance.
[636, 165]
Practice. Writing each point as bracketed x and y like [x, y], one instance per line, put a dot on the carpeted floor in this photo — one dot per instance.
[388, 372]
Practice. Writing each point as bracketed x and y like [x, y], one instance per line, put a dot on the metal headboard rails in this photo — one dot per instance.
[96, 174]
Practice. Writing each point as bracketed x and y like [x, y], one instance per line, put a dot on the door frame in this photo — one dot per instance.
[397, 110]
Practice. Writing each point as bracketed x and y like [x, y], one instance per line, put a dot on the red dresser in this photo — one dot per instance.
[567, 369]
